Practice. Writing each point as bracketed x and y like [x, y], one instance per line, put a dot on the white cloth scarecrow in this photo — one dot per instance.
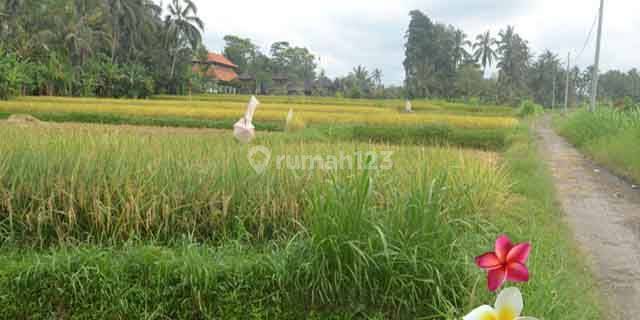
[243, 130]
[289, 117]
[407, 107]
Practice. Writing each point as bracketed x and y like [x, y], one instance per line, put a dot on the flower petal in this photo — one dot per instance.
[503, 246]
[519, 253]
[509, 303]
[481, 313]
[496, 278]
[488, 261]
[517, 272]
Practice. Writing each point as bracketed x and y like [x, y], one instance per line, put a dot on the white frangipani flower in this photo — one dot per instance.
[508, 306]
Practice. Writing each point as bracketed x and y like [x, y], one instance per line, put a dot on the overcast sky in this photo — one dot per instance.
[345, 33]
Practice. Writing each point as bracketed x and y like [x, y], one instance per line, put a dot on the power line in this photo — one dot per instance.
[586, 43]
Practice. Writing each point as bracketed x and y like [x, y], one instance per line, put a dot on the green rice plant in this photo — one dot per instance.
[395, 244]
[110, 185]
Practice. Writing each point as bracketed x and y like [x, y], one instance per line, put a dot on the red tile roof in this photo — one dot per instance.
[220, 59]
[224, 74]
[218, 72]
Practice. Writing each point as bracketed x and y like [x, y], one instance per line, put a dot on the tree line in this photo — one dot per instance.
[135, 48]
[440, 61]
[299, 66]
[110, 48]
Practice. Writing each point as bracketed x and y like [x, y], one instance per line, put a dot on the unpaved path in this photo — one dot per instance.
[604, 213]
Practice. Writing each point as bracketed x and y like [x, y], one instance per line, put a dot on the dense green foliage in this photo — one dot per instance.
[610, 136]
[530, 109]
[429, 65]
[616, 85]
[111, 48]
[12, 75]
[134, 48]
[440, 62]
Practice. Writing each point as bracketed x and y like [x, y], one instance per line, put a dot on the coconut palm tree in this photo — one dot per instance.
[514, 61]
[183, 28]
[80, 34]
[483, 51]
[361, 74]
[460, 53]
[141, 32]
[541, 77]
[122, 14]
[376, 76]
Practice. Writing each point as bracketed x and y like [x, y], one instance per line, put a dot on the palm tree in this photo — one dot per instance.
[542, 75]
[483, 51]
[80, 35]
[377, 77]
[507, 36]
[182, 27]
[513, 63]
[361, 74]
[360, 80]
[460, 53]
[122, 14]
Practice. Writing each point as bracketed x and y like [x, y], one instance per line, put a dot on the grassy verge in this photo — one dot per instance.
[609, 136]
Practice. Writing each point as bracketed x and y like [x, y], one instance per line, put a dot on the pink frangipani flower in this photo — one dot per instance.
[506, 263]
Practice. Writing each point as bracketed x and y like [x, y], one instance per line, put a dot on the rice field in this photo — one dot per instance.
[124, 222]
[119, 186]
[231, 108]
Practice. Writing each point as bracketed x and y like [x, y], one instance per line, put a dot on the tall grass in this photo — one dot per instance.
[610, 136]
[322, 242]
[373, 244]
[83, 184]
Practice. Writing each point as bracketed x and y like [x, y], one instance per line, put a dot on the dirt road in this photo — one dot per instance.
[604, 213]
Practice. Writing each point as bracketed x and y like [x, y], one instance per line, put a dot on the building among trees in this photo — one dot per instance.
[218, 74]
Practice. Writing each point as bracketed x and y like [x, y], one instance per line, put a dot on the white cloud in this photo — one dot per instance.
[345, 33]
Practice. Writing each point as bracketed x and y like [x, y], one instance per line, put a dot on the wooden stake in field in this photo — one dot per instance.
[243, 130]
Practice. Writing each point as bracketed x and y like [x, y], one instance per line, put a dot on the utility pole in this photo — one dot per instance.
[553, 98]
[596, 71]
[566, 92]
